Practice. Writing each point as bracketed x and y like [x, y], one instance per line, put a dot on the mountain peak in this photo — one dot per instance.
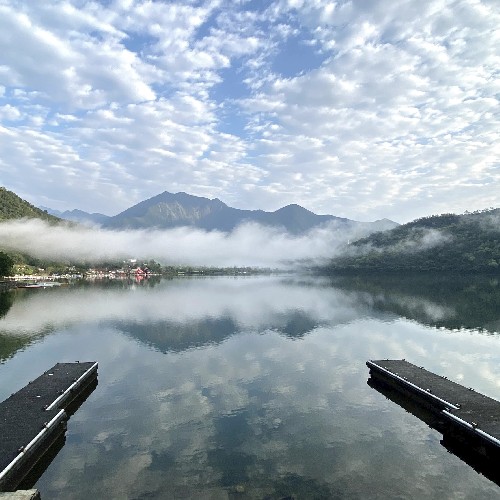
[293, 208]
[181, 197]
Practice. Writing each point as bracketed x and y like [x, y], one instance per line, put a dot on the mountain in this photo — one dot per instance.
[79, 216]
[467, 243]
[168, 210]
[14, 207]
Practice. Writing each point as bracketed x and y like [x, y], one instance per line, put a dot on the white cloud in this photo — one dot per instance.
[74, 69]
[9, 113]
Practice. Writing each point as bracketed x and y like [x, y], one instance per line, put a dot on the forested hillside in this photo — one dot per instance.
[13, 207]
[468, 243]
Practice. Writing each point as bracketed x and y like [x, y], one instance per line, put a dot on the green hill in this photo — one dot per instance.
[467, 243]
[14, 207]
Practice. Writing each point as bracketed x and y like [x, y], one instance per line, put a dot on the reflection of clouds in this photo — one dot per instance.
[413, 305]
[431, 310]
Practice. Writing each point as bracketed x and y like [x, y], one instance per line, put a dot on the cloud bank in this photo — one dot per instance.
[249, 244]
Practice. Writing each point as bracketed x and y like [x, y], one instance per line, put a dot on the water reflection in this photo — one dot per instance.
[179, 314]
[249, 388]
[444, 301]
[6, 301]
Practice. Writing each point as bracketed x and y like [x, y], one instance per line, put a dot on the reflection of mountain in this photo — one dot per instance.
[444, 301]
[6, 301]
[170, 336]
[296, 324]
[184, 314]
[9, 345]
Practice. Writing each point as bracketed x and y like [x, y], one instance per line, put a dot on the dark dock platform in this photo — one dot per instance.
[467, 419]
[34, 418]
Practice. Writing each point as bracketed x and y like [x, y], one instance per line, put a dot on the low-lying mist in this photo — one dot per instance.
[248, 245]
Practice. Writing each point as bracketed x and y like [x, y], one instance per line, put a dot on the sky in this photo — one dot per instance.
[362, 109]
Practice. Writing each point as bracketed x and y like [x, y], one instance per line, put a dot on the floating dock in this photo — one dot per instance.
[34, 419]
[468, 420]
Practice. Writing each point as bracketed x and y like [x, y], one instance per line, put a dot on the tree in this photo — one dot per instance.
[6, 264]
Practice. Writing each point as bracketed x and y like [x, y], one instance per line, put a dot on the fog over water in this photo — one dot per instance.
[181, 301]
[248, 245]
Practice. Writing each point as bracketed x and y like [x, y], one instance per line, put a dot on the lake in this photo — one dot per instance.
[253, 387]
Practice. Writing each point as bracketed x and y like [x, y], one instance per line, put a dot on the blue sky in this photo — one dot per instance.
[360, 109]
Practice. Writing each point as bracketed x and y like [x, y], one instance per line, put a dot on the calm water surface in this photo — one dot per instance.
[253, 387]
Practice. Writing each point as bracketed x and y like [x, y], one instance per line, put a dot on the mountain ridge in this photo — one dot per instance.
[77, 215]
[168, 210]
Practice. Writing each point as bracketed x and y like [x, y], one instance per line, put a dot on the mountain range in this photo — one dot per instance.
[78, 216]
[169, 210]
